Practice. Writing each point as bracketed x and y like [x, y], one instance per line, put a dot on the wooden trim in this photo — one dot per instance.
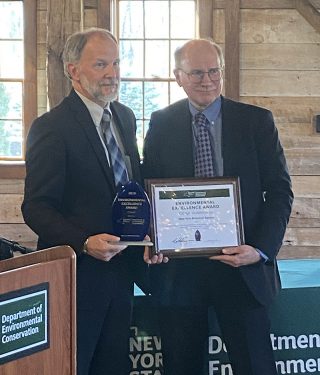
[232, 49]
[309, 12]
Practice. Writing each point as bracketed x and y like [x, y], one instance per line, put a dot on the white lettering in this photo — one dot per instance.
[147, 360]
[19, 335]
[216, 345]
[311, 365]
[148, 343]
[295, 342]
[212, 367]
[314, 341]
[215, 368]
[296, 366]
[144, 343]
[157, 342]
[134, 360]
[299, 366]
[158, 359]
[226, 369]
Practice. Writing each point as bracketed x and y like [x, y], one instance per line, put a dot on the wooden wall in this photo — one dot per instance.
[279, 69]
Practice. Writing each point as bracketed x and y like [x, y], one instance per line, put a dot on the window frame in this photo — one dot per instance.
[168, 80]
[16, 169]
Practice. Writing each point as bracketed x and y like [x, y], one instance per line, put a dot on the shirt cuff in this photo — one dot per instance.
[263, 256]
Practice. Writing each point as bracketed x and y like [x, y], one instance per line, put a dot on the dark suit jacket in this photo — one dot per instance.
[250, 150]
[69, 187]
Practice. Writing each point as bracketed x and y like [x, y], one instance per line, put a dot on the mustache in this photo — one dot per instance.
[110, 82]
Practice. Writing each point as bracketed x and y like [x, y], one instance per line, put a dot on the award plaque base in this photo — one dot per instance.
[190, 252]
[132, 243]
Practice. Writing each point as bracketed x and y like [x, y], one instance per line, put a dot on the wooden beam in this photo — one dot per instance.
[232, 49]
[13, 186]
[299, 252]
[258, 4]
[104, 14]
[309, 12]
[205, 18]
[63, 19]
[302, 237]
[265, 4]
[90, 4]
[10, 170]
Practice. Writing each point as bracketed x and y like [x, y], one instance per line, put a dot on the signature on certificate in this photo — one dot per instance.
[180, 239]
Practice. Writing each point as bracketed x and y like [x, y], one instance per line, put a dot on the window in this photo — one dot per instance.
[17, 77]
[11, 78]
[149, 32]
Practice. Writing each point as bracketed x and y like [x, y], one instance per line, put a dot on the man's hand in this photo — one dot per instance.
[155, 259]
[103, 246]
[238, 256]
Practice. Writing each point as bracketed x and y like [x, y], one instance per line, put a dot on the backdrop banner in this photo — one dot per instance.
[295, 335]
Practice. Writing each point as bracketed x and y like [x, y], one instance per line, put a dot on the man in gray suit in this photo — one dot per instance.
[69, 190]
[242, 282]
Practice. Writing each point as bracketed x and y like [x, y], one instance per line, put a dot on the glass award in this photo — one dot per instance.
[131, 215]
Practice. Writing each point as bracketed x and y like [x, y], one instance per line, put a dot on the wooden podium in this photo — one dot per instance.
[38, 313]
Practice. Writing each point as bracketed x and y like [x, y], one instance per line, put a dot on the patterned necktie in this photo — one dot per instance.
[118, 165]
[203, 166]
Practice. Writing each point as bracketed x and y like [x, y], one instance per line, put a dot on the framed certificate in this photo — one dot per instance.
[195, 217]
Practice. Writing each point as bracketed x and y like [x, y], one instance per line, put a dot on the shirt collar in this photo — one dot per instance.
[211, 112]
[95, 110]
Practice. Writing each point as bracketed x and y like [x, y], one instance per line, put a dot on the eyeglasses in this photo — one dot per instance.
[196, 76]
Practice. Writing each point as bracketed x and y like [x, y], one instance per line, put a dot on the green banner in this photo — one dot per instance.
[192, 194]
[295, 336]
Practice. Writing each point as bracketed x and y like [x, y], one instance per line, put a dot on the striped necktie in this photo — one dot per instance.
[203, 166]
[115, 155]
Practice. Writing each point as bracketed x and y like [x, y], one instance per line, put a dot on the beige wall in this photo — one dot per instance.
[280, 70]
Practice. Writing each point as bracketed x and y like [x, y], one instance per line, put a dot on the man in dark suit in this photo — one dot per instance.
[69, 190]
[242, 281]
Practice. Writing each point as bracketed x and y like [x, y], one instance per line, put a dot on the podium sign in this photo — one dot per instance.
[24, 322]
[37, 313]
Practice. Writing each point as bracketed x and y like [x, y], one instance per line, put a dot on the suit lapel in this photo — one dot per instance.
[184, 138]
[85, 121]
[232, 134]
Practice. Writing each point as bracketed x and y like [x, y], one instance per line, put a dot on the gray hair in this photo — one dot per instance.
[76, 42]
[179, 52]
